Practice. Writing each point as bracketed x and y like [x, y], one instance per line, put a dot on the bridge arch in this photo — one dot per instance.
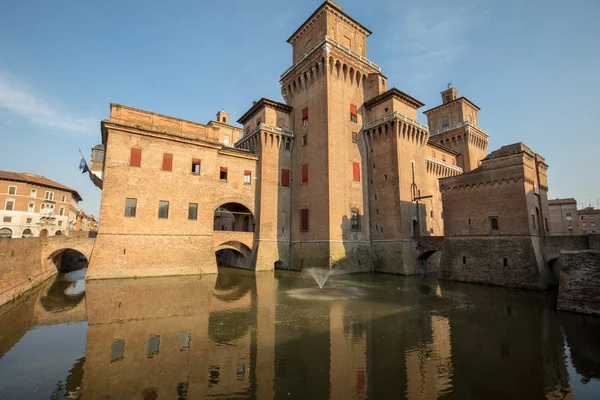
[66, 253]
[234, 217]
[233, 254]
[67, 259]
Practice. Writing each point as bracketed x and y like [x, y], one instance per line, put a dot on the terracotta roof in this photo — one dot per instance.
[264, 102]
[393, 92]
[562, 201]
[451, 102]
[36, 180]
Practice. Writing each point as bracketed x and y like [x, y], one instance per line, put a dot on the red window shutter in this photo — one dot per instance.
[356, 172]
[246, 172]
[304, 173]
[305, 114]
[353, 110]
[285, 177]
[223, 169]
[135, 158]
[304, 220]
[167, 162]
[195, 161]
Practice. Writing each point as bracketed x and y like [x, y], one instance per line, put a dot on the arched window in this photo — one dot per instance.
[27, 233]
[494, 223]
[58, 233]
[5, 233]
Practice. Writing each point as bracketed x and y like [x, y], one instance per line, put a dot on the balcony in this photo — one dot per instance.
[459, 125]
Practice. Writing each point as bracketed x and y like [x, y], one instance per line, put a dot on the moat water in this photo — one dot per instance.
[260, 336]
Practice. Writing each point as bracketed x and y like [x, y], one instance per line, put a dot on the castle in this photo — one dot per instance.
[342, 175]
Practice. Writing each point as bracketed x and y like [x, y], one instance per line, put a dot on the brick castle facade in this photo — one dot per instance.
[342, 175]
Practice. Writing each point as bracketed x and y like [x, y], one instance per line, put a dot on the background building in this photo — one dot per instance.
[86, 223]
[32, 205]
[563, 217]
[589, 219]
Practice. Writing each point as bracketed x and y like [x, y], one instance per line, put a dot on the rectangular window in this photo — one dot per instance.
[7, 219]
[135, 157]
[288, 145]
[285, 177]
[163, 209]
[304, 140]
[223, 173]
[33, 193]
[49, 195]
[12, 190]
[117, 350]
[184, 340]
[130, 207]
[353, 113]
[167, 162]
[193, 211]
[29, 220]
[182, 390]
[226, 139]
[304, 173]
[9, 205]
[445, 126]
[304, 220]
[153, 345]
[355, 220]
[61, 211]
[63, 198]
[356, 172]
[98, 156]
[354, 137]
[59, 223]
[247, 177]
[305, 116]
[196, 166]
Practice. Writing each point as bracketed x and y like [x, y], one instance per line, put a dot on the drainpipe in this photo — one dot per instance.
[291, 213]
[368, 183]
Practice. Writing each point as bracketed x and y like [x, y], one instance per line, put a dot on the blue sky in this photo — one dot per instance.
[532, 66]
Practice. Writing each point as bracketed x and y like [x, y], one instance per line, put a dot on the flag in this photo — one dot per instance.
[83, 167]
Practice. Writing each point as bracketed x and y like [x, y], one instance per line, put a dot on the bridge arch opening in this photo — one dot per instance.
[234, 255]
[68, 260]
[554, 268]
[5, 233]
[233, 217]
[429, 261]
[44, 233]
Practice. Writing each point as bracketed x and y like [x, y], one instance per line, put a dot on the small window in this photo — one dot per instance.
[247, 177]
[153, 345]
[163, 209]
[505, 261]
[117, 350]
[304, 173]
[184, 340]
[494, 223]
[288, 145]
[61, 211]
[285, 177]
[29, 220]
[9, 205]
[49, 195]
[33, 193]
[356, 172]
[305, 116]
[135, 157]
[353, 113]
[464, 260]
[354, 137]
[223, 173]
[167, 164]
[7, 219]
[304, 140]
[445, 126]
[130, 207]
[226, 139]
[60, 223]
[355, 220]
[546, 224]
[182, 390]
[304, 220]
[385, 177]
[196, 166]
[12, 190]
[193, 211]
[63, 198]
[224, 119]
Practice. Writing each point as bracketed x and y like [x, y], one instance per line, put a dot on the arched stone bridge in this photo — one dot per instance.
[52, 248]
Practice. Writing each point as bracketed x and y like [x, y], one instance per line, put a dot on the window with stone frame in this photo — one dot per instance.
[130, 207]
[494, 223]
[163, 209]
[12, 190]
[9, 205]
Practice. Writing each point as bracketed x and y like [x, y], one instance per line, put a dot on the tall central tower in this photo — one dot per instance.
[327, 84]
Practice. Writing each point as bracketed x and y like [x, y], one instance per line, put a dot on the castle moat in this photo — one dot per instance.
[243, 335]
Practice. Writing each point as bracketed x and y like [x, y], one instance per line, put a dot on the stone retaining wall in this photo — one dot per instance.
[579, 287]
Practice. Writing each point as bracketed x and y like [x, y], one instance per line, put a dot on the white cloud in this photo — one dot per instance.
[19, 100]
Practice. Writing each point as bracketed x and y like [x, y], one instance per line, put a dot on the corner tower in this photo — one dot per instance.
[327, 84]
[454, 124]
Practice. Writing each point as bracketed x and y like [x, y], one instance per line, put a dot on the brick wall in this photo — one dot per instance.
[579, 287]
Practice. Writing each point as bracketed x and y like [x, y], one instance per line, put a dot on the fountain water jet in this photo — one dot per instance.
[320, 275]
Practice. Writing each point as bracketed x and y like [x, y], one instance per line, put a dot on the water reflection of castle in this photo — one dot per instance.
[216, 337]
